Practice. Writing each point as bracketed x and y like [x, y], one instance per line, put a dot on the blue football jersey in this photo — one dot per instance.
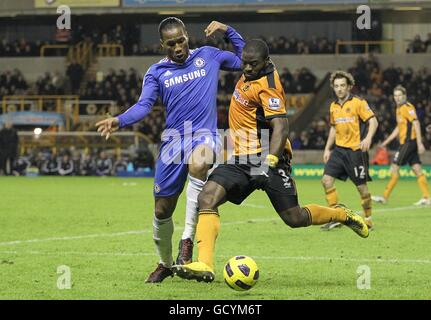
[189, 90]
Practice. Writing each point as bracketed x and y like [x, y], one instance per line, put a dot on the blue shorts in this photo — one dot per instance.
[172, 167]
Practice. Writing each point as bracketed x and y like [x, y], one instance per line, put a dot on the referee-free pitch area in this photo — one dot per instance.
[100, 229]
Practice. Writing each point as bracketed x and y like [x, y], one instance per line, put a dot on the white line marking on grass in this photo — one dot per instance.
[258, 206]
[135, 232]
[401, 208]
[298, 258]
[87, 236]
[394, 260]
[118, 234]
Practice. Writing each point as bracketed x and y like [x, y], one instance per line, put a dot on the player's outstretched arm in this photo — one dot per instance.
[108, 126]
[149, 95]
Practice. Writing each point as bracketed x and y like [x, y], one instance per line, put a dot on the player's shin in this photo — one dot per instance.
[423, 185]
[206, 234]
[162, 235]
[391, 185]
[331, 196]
[366, 205]
[194, 187]
[321, 215]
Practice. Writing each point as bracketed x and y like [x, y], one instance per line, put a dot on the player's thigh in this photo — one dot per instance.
[212, 196]
[236, 181]
[165, 206]
[334, 167]
[281, 190]
[200, 161]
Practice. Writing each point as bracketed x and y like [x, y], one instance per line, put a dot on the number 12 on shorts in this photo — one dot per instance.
[359, 171]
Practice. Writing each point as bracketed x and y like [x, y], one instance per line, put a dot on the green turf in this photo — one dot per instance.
[111, 262]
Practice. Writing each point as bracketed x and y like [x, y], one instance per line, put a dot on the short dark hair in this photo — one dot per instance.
[169, 23]
[258, 46]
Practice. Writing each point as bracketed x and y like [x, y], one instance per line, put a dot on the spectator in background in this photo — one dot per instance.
[21, 166]
[305, 140]
[88, 166]
[144, 160]
[120, 165]
[51, 165]
[75, 72]
[103, 165]
[66, 166]
[295, 141]
[8, 148]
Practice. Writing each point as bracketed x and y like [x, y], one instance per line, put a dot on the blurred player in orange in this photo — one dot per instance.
[349, 115]
[408, 131]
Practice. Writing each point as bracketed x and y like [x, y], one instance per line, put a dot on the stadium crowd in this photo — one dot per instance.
[74, 162]
[419, 46]
[128, 36]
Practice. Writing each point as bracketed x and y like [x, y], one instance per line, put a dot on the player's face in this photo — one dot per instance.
[252, 64]
[399, 97]
[341, 88]
[175, 43]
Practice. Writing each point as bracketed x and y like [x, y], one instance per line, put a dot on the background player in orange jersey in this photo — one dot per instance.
[409, 132]
[349, 115]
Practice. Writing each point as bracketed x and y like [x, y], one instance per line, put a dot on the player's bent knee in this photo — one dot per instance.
[164, 207]
[295, 217]
[327, 182]
[206, 200]
[162, 214]
[198, 170]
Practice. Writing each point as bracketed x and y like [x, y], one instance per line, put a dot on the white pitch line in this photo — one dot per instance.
[135, 232]
[258, 206]
[87, 236]
[296, 258]
[117, 234]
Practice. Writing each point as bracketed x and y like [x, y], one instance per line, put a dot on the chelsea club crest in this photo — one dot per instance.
[199, 62]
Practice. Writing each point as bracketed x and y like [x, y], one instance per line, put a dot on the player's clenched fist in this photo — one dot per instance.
[107, 126]
[215, 26]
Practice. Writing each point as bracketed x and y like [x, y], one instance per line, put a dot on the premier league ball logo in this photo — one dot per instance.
[199, 62]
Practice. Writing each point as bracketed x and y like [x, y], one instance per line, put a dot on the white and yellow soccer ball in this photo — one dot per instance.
[241, 273]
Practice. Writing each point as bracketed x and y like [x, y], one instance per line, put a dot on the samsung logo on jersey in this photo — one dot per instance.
[184, 78]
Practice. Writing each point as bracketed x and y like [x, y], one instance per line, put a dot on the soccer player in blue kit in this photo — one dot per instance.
[186, 81]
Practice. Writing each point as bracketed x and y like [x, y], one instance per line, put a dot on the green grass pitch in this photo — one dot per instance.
[102, 229]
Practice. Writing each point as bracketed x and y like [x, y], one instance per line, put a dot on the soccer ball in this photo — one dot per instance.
[241, 273]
